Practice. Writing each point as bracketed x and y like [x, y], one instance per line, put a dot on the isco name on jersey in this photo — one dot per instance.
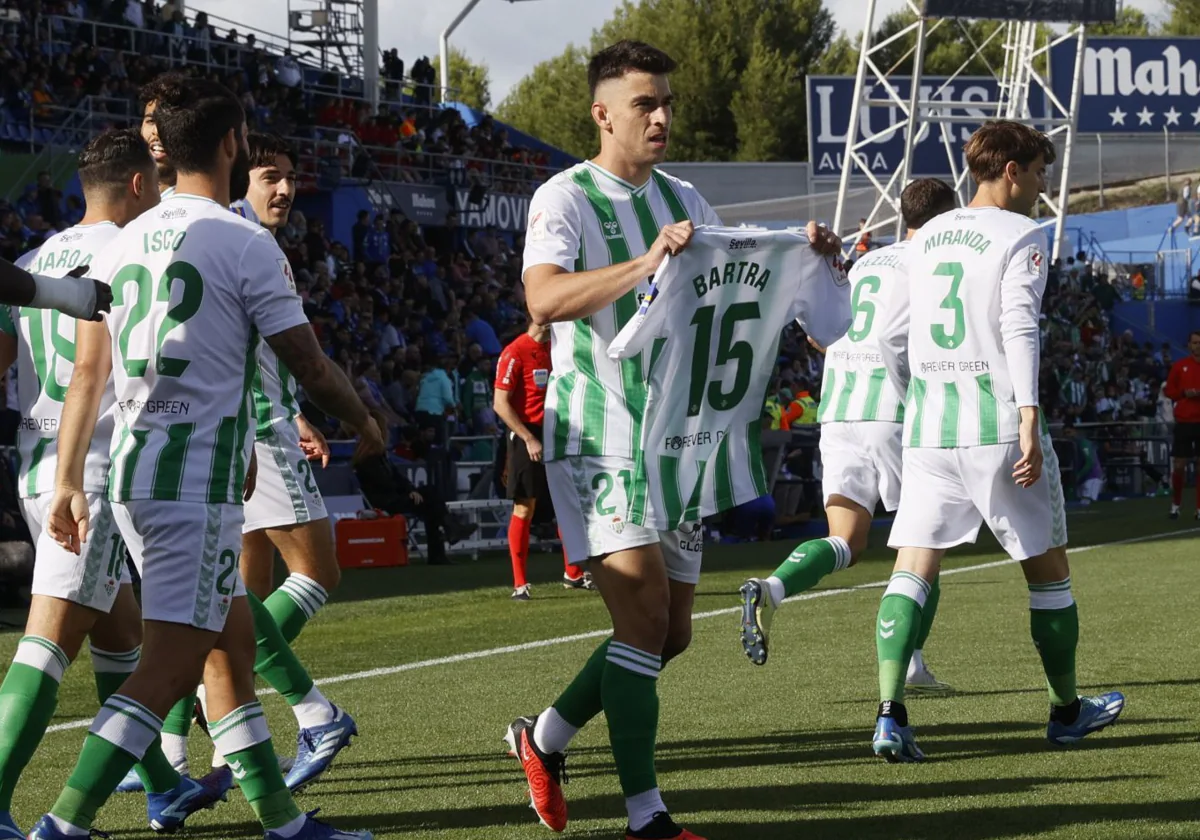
[193, 287]
[45, 362]
[711, 324]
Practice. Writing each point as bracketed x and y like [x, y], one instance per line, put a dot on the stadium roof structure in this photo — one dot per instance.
[1019, 80]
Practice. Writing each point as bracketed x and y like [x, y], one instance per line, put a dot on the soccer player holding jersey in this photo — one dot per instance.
[88, 595]
[522, 375]
[962, 342]
[596, 233]
[861, 416]
[193, 285]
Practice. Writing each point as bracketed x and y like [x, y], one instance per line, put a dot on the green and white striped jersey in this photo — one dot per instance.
[45, 361]
[964, 333]
[711, 325]
[582, 219]
[194, 286]
[855, 386]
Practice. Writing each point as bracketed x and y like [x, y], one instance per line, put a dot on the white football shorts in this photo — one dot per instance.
[286, 491]
[91, 579]
[948, 493]
[187, 555]
[862, 462]
[591, 496]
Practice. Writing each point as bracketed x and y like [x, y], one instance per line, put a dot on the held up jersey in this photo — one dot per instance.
[193, 288]
[582, 219]
[45, 361]
[856, 386]
[968, 322]
[711, 325]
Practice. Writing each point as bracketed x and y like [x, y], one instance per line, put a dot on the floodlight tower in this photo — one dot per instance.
[1020, 81]
[344, 34]
[444, 45]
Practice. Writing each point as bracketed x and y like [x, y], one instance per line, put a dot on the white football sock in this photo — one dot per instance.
[552, 733]
[66, 828]
[776, 590]
[175, 748]
[643, 807]
[290, 829]
[916, 664]
[313, 710]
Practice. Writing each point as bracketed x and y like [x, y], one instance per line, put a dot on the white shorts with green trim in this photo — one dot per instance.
[91, 579]
[286, 491]
[862, 462]
[948, 493]
[591, 496]
[187, 555]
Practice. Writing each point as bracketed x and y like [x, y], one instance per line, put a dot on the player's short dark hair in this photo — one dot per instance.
[112, 158]
[924, 199]
[193, 116]
[266, 148]
[625, 56]
[153, 89]
[998, 142]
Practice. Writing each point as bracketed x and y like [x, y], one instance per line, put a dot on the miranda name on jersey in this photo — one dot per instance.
[746, 273]
[973, 239]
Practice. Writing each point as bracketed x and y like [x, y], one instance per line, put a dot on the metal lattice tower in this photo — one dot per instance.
[332, 29]
[1019, 79]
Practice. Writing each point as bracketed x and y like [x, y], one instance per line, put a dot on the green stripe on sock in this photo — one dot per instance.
[274, 660]
[28, 698]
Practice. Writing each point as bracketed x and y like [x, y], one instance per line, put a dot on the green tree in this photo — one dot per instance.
[1130, 22]
[470, 82]
[1183, 17]
[740, 60]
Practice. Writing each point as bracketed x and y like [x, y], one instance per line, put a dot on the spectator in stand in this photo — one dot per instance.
[481, 332]
[437, 399]
[377, 244]
[1183, 387]
[476, 393]
[864, 239]
[287, 70]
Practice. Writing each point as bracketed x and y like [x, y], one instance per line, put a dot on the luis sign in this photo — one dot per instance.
[831, 97]
[1132, 85]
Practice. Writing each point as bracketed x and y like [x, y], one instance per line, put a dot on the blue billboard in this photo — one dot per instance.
[829, 102]
[1132, 85]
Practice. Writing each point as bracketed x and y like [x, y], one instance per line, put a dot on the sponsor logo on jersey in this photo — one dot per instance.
[703, 438]
[742, 244]
[173, 213]
[286, 268]
[537, 226]
[541, 378]
[612, 229]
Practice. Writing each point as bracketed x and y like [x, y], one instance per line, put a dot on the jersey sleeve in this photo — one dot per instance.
[708, 216]
[508, 369]
[893, 333]
[555, 229]
[1021, 288]
[268, 290]
[650, 321]
[822, 301]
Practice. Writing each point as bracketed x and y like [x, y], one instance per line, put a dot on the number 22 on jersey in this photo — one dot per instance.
[134, 286]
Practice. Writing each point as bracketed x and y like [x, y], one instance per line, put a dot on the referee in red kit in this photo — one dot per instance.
[521, 379]
[1183, 388]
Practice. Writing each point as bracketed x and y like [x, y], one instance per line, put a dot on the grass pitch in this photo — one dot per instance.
[745, 753]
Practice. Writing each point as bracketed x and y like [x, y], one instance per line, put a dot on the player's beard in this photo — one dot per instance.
[239, 176]
[167, 175]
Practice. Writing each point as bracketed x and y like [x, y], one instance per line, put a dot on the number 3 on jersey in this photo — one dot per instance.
[139, 277]
[958, 330]
[728, 350]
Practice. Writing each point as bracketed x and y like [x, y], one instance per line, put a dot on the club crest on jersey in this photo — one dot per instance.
[1037, 261]
[612, 229]
[537, 226]
[617, 523]
[110, 587]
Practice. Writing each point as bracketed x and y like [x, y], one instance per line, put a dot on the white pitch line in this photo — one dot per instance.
[596, 634]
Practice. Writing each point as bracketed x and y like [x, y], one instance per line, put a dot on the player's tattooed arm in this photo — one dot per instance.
[326, 384]
[74, 295]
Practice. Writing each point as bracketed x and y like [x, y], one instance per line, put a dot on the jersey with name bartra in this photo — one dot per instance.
[711, 325]
[46, 360]
[193, 287]
[974, 290]
[855, 386]
[582, 219]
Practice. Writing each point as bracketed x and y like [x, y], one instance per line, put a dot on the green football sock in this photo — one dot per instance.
[111, 671]
[28, 698]
[896, 632]
[811, 561]
[1054, 626]
[179, 720]
[274, 661]
[121, 733]
[630, 693]
[581, 700]
[242, 737]
[929, 612]
[294, 603]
